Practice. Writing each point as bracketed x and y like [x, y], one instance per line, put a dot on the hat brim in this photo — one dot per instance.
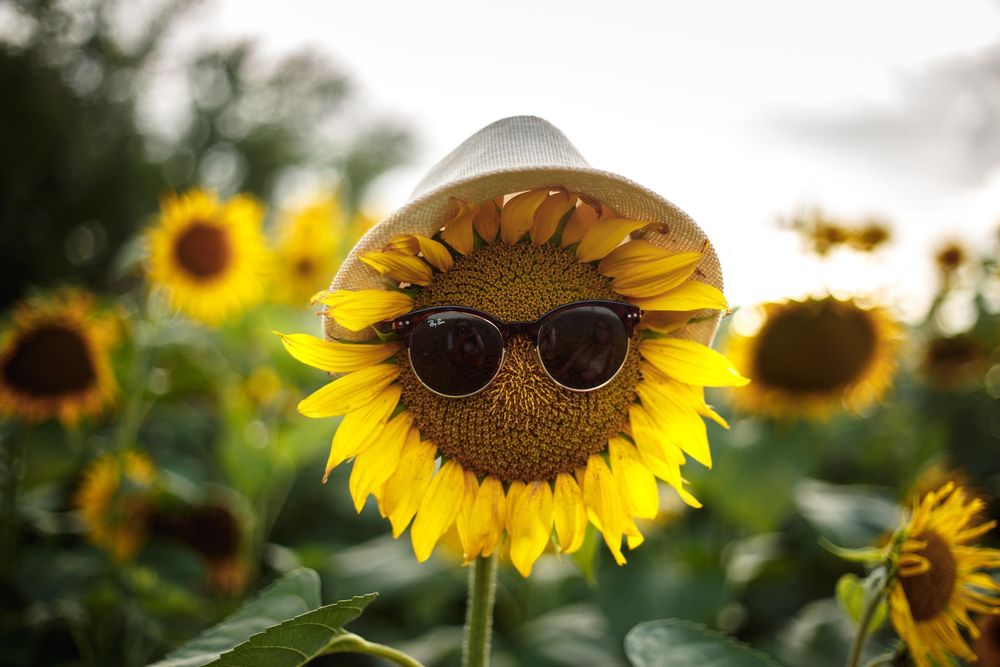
[426, 214]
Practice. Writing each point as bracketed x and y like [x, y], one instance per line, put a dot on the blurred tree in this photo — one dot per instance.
[80, 167]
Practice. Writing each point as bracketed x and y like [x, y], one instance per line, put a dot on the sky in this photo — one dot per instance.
[740, 113]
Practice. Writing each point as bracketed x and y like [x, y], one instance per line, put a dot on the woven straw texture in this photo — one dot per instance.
[513, 155]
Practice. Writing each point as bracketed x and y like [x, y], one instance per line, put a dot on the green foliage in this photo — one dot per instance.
[677, 643]
[853, 594]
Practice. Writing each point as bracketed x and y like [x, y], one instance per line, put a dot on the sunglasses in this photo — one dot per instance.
[456, 351]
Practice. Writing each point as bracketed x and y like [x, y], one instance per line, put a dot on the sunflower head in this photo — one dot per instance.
[307, 249]
[115, 501]
[941, 577]
[208, 255]
[54, 359]
[814, 357]
[870, 237]
[950, 257]
[987, 645]
[524, 460]
[954, 362]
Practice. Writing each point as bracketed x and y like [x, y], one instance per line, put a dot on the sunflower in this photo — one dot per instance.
[987, 644]
[115, 501]
[870, 237]
[208, 255]
[307, 250]
[214, 530]
[940, 578]
[54, 359]
[810, 358]
[954, 362]
[523, 456]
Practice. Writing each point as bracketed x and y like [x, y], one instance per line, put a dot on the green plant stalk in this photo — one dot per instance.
[479, 612]
[352, 643]
[871, 604]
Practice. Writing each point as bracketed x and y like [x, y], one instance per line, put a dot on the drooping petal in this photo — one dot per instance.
[550, 214]
[514, 491]
[489, 514]
[638, 485]
[602, 238]
[630, 255]
[568, 513]
[603, 499]
[399, 266]
[689, 394]
[357, 310]
[438, 509]
[645, 270]
[518, 214]
[531, 525]
[682, 422]
[690, 362]
[379, 461]
[661, 457]
[350, 392]
[665, 321]
[692, 295]
[402, 493]
[582, 220]
[487, 221]
[434, 252]
[464, 521]
[360, 427]
[457, 231]
[333, 356]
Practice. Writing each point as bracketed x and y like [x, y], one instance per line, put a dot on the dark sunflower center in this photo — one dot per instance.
[987, 646]
[815, 347]
[929, 593]
[523, 426]
[50, 361]
[212, 531]
[953, 351]
[204, 250]
[305, 267]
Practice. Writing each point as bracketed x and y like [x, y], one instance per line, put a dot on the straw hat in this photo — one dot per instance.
[513, 155]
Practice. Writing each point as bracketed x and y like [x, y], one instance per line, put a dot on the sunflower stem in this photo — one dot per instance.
[479, 612]
[872, 602]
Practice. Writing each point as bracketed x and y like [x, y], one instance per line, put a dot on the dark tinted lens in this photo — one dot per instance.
[455, 354]
[582, 348]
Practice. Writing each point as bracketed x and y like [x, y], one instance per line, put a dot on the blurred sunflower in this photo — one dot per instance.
[941, 579]
[987, 645]
[523, 455]
[215, 532]
[307, 250]
[54, 359]
[208, 255]
[954, 362]
[811, 358]
[870, 237]
[115, 499]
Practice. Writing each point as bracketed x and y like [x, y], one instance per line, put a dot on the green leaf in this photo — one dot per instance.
[295, 593]
[676, 643]
[868, 555]
[298, 640]
[852, 515]
[853, 593]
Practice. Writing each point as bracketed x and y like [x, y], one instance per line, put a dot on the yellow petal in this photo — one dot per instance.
[335, 357]
[661, 457]
[464, 521]
[400, 267]
[379, 461]
[349, 392]
[691, 395]
[692, 295]
[636, 274]
[487, 221]
[602, 497]
[568, 513]
[518, 214]
[457, 231]
[665, 321]
[402, 493]
[434, 252]
[582, 221]
[514, 491]
[681, 423]
[638, 485]
[549, 215]
[360, 427]
[630, 255]
[603, 238]
[438, 509]
[690, 362]
[357, 310]
[531, 525]
[489, 513]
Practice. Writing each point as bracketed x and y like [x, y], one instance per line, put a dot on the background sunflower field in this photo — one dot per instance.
[156, 477]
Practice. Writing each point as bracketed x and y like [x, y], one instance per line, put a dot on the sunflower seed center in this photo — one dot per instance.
[50, 361]
[929, 593]
[523, 426]
[204, 250]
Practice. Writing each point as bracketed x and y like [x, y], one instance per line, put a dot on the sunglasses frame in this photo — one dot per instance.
[626, 312]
